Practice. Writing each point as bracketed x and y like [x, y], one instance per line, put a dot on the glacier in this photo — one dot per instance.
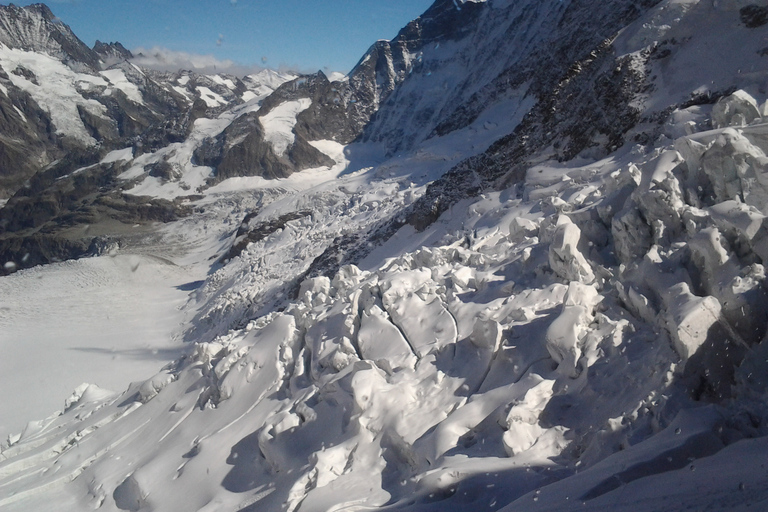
[541, 289]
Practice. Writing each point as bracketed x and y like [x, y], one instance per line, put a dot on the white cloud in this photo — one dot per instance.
[163, 59]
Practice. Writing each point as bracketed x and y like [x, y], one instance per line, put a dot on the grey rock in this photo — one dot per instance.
[35, 28]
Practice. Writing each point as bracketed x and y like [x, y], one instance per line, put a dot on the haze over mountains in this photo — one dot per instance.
[513, 261]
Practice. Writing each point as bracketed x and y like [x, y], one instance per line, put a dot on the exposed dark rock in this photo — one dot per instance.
[305, 156]
[39, 249]
[99, 127]
[330, 115]
[35, 28]
[27, 138]
[241, 150]
[434, 101]
[111, 52]
[753, 16]
[163, 170]
[586, 107]
[25, 73]
[348, 249]
[57, 223]
[247, 234]
[583, 104]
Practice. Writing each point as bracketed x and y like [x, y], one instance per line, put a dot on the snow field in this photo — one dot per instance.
[106, 321]
[190, 179]
[56, 90]
[502, 346]
[278, 124]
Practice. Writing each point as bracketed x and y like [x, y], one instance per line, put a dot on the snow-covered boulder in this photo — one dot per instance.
[661, 206]
[151, 387]
[738, 220]
[689, 319]
[736, 168]
[738, 109]
[486, 333]
[631, 235]
[522, 422]
[315, 290]
[565, 334]
[522, 229]
[381, 341]
[740, 290]
[564, 256]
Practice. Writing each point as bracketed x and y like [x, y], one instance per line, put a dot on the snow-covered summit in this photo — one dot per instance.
[35, 28]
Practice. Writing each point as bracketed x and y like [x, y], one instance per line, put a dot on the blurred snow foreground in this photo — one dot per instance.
[587, 338]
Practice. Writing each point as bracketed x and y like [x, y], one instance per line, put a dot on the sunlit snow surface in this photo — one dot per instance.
[56, 89]
[279, 122]
[108, 320]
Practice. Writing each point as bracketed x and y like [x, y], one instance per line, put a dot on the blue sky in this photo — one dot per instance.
[299, 34]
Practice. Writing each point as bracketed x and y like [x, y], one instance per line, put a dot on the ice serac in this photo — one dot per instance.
[552, 298]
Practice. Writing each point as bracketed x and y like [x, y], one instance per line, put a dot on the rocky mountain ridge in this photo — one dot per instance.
[118, 105]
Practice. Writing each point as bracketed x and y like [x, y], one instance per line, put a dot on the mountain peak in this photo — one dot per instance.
[111, 52]
[41, 9]
[36, 28]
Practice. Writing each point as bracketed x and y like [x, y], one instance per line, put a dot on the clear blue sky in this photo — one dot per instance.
[302, 34]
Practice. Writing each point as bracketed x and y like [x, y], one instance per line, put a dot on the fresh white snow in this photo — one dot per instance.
[210, 98]
[106, 321]
[56, 90]
[526, 351]
[117, 78]
[279, 122]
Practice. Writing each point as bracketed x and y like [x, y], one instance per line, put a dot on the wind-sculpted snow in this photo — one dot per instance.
[572, 319]
[511, 354]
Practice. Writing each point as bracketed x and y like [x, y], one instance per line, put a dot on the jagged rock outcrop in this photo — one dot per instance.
[111, 53]
[27, 138]
[112, 103]
[242, 150]
[35, 28]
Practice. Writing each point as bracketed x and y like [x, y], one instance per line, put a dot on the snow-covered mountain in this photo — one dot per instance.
[513, 261]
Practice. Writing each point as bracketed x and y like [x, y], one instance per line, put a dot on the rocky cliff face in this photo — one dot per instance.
[36, 29]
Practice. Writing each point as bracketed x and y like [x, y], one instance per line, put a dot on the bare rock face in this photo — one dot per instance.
[27, 139]
[753, 15]
[242, 150]
[30, 138]
[35, 28]
[736, 109]
[112, 53]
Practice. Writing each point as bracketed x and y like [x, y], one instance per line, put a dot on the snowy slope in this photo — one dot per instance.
[56, 88]
[579, 331]
[74, 322]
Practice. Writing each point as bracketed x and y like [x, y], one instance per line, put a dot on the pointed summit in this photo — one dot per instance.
[35, 28]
